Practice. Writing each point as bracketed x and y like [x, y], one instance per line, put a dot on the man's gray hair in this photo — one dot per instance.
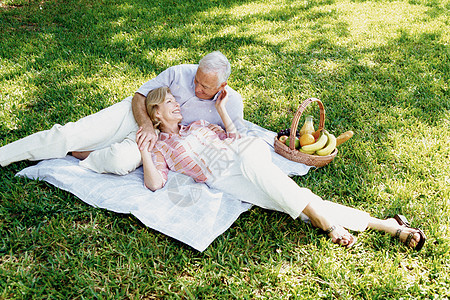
[216, 62]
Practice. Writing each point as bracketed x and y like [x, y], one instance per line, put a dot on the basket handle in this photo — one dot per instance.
[298, 114]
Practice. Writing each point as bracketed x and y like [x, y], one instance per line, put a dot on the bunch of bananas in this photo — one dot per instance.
[323, 145]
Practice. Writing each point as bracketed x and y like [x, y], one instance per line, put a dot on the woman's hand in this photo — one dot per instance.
[146, 138]
[222, 100]
[216, 128]
[221, 109]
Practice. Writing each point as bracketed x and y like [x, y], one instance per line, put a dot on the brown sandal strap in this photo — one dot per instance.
[409, 238]
[397, 233]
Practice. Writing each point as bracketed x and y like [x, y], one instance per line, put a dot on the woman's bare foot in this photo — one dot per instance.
[411, 237]
[339, 235]
[81, 154]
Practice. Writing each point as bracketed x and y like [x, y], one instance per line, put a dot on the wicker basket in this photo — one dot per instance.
[293, 154]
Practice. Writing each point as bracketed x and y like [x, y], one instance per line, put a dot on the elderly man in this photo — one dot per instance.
[106, 141]
[196, 89]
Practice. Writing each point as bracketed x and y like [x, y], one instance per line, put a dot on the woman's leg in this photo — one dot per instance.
[257, 166]
[276, 189]
[321, 217]
[282, 193]
[265, 185]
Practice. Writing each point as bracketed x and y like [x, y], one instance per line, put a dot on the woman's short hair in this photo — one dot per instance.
[154, 98]
[216, 62]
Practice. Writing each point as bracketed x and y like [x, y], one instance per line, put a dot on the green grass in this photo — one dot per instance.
[382, 69]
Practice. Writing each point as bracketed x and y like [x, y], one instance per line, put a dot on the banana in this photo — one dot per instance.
[319, 144]
[306, 152]
[329, 147]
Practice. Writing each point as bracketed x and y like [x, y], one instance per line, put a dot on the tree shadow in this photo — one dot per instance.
[62, 42]
[61, 63]
[65, 56]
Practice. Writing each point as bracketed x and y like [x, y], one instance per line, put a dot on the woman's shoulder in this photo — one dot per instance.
[198, 123]
[162, 141]
[202, 122]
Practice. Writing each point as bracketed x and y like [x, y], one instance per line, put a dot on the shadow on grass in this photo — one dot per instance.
[75, 39]
[64, 55]
[68, 52]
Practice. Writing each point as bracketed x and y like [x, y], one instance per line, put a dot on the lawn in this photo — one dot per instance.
[381, 68]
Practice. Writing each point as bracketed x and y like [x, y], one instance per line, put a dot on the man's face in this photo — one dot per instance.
[206, 85]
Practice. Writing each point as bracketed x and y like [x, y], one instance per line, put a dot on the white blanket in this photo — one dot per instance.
[185, 210]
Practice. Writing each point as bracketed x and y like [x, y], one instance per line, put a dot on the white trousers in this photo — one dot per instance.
[110, 133]
[252, 177]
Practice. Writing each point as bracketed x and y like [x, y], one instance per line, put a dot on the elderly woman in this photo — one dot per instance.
[242, 167]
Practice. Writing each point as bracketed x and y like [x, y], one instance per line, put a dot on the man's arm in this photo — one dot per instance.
[146, 137]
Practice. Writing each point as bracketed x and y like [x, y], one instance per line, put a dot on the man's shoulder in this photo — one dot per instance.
[233, 94]
[184, 68]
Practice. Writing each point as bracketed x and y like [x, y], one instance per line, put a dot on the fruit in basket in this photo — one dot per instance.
[283, 139]
[316, 133]
[296, 142]
[329, 146]
[319, 144]
[307, 139]
[308, 126]
[344, 137]
[286, 132]
[306, 152]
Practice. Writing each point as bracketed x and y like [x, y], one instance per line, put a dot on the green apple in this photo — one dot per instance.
[296, 142]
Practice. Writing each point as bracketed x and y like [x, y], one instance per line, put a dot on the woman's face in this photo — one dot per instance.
[169, 110]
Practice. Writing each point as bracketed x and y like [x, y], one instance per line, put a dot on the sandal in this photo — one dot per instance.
[401, 220]
[351, 239]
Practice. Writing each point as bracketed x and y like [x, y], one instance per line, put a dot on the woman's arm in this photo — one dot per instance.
[152, 177]
[221, 109]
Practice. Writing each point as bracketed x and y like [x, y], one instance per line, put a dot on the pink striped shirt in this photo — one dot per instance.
[184, 152]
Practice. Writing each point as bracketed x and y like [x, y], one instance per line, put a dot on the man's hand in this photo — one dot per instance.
[146, 138]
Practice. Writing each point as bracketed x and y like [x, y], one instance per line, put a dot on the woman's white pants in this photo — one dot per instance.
[252, 177]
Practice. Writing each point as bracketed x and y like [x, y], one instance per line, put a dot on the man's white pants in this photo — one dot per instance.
[110, 133]
[253, 178]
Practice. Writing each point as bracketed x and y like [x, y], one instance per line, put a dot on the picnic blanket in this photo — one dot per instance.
[188, 211]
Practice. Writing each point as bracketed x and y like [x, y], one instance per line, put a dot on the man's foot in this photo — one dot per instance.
[339, 235]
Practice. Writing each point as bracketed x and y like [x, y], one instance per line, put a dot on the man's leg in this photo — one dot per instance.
[97, 131]
[119, 158]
